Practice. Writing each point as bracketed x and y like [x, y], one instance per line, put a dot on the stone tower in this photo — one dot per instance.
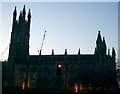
[19, 44]
[100, 50]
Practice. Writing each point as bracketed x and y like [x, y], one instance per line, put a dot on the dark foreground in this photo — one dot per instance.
[56, 91]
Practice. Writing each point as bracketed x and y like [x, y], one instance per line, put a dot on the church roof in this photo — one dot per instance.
[62, 58]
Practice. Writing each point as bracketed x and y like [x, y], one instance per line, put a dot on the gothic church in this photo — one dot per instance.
[76, 72]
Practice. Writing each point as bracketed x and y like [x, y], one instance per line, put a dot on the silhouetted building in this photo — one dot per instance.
[118, 77]
[76, 72]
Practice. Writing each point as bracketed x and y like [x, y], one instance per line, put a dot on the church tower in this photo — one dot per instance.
[19, 44]
[100, 50]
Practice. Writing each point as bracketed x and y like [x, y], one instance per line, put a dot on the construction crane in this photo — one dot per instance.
[3, 53]
[42, 43]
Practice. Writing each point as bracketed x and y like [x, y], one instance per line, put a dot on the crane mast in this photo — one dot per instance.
[42, 43]
[3, 53]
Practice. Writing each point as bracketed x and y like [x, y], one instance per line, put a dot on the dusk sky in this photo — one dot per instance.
[69, 26]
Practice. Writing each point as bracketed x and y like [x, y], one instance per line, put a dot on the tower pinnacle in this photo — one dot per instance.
[99, 37]
[24, 12]
[29, 14]
[14, 14]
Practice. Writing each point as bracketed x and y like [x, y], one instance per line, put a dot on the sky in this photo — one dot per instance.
[70, 25]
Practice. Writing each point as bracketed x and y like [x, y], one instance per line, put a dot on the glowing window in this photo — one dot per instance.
[59, 65]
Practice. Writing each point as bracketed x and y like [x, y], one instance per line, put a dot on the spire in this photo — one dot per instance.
[108, 52]
[104, 46]
[29, 20]
[40, 52]
[24, 11]
[104, 42]
[14, 13]
[95, 51]
[52, 51]
[20, 16]
[99, 37]
[113, 50]
[99, 44]
[113, 54]
[29, 14]
[99, 48]
[79, 52]
[65, 51]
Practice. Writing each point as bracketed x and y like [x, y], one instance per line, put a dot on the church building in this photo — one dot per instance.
[73, 72]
